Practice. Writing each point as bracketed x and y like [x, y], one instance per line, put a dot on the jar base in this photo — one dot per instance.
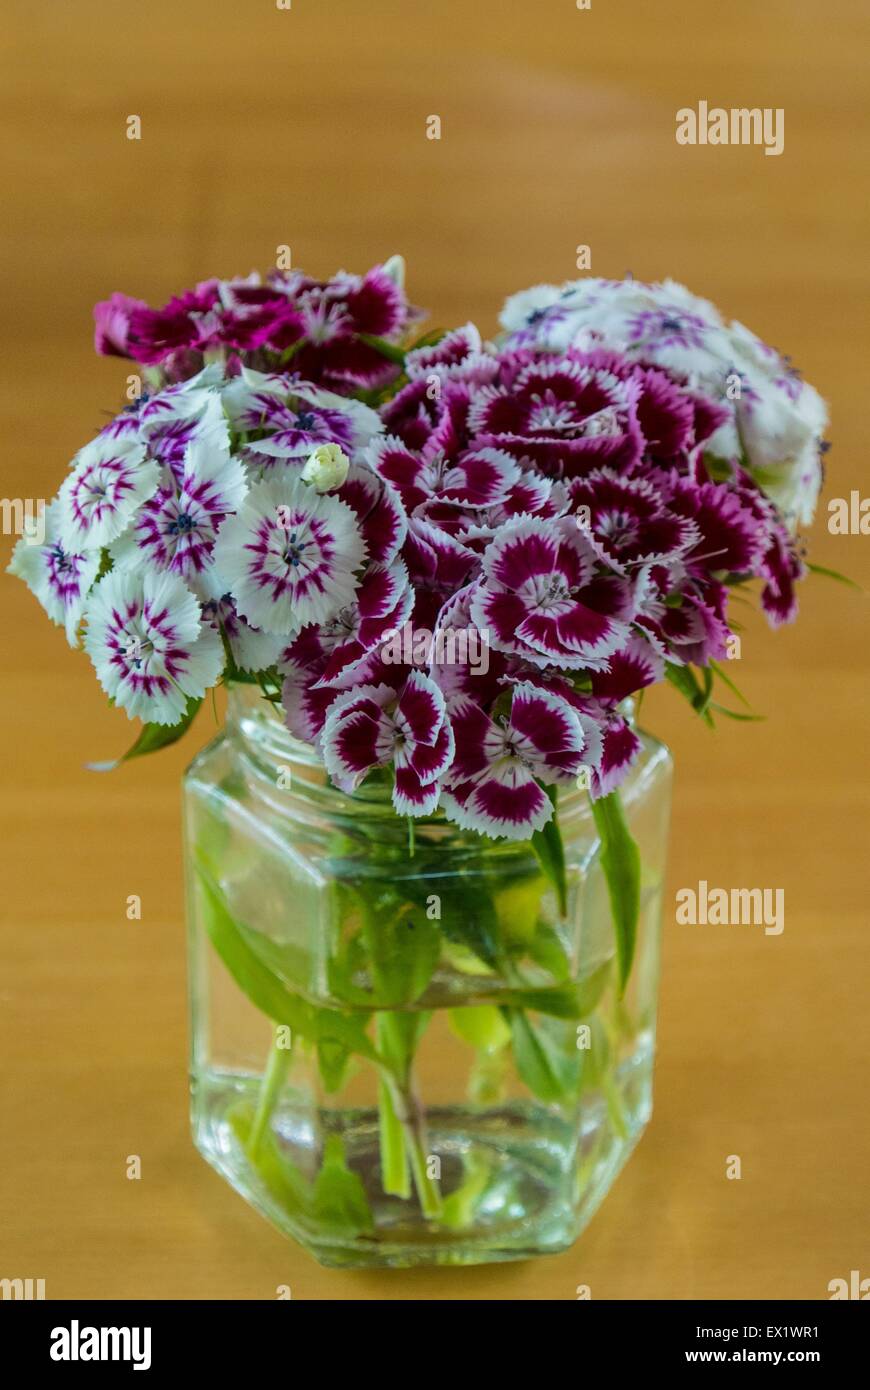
[517, 1180]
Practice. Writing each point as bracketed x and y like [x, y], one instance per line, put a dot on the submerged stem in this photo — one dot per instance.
[277, 1066]
[410, 1116]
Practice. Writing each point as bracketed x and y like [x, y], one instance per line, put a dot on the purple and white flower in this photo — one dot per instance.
[251, 649]
[290, 556]
[109, 480]
[772, 418]
[542, 597]
[58, 578]
[176, 529]
[150, 648]
[494, 783]
[376, 726]
[291, 417]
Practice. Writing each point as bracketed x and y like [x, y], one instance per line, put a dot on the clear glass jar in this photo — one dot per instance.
[404, 1049]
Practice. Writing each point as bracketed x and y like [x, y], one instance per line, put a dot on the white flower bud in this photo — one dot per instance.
[395, 268]
[326, 468]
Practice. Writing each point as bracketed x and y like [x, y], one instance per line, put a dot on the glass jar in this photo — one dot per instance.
[405, 1048]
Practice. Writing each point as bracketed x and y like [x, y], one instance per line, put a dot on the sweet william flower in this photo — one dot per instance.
[59, 579]
[494, 782]
[286, 418]
[112, 324]
[109, 480]
[769, 414]
[541, 596]
[290, 556]
[149, 646]
[376, 726]
[176, 529]
[251, 650]
[326, 468]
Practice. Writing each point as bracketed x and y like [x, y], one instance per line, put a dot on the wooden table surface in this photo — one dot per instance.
[306, 127]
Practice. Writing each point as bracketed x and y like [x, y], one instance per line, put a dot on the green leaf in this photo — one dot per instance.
[546, 950]
[404, 948]
[683, 678]
[391, 351]
[726, 680]
[340, 1203]
[429, 339]
[266, 991]
[332, 1061]
[287, 1183]
[152, 738]
[836, 576]
[620, 861]
[735, 714]
[548, 1067]
[460, 1207]
[337, 1200]
[548, 846]
[468, 915]
[573, 999]
[481, 1025]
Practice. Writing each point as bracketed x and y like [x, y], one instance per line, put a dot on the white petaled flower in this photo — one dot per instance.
[186, 400]
[251, 649]
[150, 648]
[176, 528]
[109, 481]
[292, 417]
[58, 578]
[776, 421]
[289, 556]
[326, 468]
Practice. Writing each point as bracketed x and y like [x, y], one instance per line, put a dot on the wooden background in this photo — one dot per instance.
[307, 127]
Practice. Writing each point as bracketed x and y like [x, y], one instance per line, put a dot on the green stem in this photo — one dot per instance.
[409, 1114]
[274, 1076]
[402, 1121]
[615, 1108]
[395, 1175]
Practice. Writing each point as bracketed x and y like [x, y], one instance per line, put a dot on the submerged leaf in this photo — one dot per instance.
[620, 861]
[548, 846]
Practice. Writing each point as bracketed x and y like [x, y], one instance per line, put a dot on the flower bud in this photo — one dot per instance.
[326, 468]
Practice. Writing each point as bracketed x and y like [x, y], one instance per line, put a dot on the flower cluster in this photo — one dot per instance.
[297, 488]
[774, 421]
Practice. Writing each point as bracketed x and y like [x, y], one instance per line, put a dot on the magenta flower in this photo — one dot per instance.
[379, 513]
[542, 597]
[325, 324]
[340, 647]
[494, 783]
[564, 415]
[628, 522]
[112, 324]
[475, 478]
[374, 726]
[732, 537]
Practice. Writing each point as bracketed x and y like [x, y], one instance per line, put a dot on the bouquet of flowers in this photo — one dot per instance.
[295, 498]
[452, 567]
